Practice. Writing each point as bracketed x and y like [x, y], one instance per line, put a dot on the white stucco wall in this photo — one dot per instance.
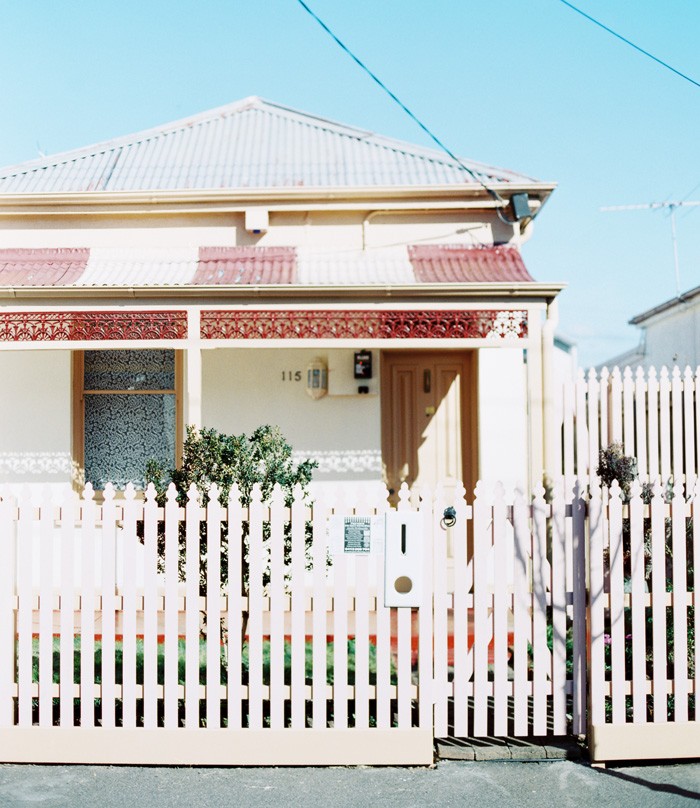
[243, 389]
[503, 436]
[35, 418]
[673, 338]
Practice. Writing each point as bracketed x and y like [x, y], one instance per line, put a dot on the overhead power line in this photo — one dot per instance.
[629, 42]
[473, 174]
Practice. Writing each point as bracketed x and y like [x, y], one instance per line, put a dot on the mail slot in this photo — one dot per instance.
[403, 559]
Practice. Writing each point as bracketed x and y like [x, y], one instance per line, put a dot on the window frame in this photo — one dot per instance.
[78, 427]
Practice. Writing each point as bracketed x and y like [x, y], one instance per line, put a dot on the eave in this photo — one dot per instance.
[274, 199]
[521, 292]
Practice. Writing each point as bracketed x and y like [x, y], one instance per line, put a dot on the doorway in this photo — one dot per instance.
[429, 428]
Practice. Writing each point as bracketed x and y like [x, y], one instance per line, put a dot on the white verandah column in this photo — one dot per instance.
[193, 371]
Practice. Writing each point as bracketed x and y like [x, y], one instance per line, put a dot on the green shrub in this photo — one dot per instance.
[209, 456]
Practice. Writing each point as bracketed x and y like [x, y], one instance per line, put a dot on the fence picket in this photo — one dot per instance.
[170, 640]
[234, 614]
[482, 622]
[653, 421]
[108, 613]
[440, 619]
[378, 498]
[558, 587]
[298, 605]
[658, 605]
[521, 611]
[665, 424]
[582, 464]
[256, 553]
[616, 434]
[680, 604]
[677, 425]
[129, 542]
[192, 551]
[213, 605]
[541, 660]
[319, 671]
[604, 406]
[24, 611]
[340, 648]
[277, 608]
[460, 677]
[501, 575]
[628, 430]
[7, 622]
[641, 422]
[361, 642]
[425, 618]
[150, 611]
[46, 563]
[87, 609]
[689, 430]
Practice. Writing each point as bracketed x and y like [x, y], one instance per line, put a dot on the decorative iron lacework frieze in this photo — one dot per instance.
[435, 324]
[97, 326]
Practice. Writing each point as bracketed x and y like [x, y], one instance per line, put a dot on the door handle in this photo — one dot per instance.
[429, 411]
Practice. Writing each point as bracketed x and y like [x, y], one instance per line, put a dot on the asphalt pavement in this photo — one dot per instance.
[487, 784]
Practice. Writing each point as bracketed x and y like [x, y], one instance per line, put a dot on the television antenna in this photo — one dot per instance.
[671, 206]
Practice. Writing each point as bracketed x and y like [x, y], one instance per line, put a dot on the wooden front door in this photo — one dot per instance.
[429, 418]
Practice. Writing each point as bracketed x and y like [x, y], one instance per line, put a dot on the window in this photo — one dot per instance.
[127, 413]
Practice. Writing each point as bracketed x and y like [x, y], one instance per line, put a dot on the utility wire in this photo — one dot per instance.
[628, 42]
[494, 194]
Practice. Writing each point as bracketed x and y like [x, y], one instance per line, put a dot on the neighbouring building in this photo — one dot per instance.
[670, 335]
[255, 264]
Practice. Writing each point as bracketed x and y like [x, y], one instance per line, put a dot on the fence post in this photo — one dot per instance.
[637, 606]
[580, 681]
[596, 608]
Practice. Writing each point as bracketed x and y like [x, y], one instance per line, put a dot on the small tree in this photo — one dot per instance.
[210, 457]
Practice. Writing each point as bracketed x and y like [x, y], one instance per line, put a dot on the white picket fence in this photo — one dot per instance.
[264, 709]
[473, 659]
[654, 416]
[326, 673]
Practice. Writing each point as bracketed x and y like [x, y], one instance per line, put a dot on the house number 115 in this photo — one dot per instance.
[291, 375]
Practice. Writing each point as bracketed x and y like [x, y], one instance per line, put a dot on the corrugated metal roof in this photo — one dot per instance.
[251, 143]
[388, 266]
[237, 266]
[140, 266]
[228, 266]
[448, 263]
[42, 267]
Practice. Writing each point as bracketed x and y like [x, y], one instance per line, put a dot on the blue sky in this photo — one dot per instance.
[530, 86]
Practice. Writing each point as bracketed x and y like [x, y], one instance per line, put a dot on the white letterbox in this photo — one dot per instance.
[403, 559]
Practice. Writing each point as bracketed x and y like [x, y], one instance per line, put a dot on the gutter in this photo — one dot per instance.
[275, 199]
[522, 292]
